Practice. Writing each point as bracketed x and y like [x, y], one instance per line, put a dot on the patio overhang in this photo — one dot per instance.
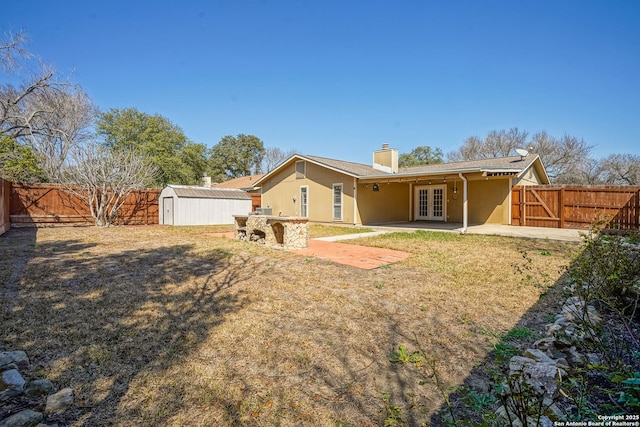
[437, 177]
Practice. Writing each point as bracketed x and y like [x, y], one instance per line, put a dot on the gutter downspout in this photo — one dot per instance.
[465, 204]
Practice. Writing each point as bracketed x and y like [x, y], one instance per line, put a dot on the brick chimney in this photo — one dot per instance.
[386, 160]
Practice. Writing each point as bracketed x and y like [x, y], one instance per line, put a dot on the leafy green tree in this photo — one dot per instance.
[195, 158]
[177, 160]
[18, 162]
[422, 155]
[236, 156]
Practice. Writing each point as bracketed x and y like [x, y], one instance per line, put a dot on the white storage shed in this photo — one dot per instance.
[183, 205]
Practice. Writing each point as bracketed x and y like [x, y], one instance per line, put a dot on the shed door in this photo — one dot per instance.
[167, 209]
[429, 203]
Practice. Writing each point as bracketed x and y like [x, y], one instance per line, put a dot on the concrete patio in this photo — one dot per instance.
[563, 234]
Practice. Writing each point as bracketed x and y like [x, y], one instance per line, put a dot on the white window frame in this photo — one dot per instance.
[306, 188]
[334, 205]
[301, 172]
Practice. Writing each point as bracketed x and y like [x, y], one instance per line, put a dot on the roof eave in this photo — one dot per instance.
[306, 159]
[443, 172]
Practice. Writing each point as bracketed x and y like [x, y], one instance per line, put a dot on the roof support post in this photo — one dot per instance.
[355, 200]
[465, 204]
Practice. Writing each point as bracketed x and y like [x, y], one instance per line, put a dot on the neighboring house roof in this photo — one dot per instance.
[511, 165]
[243, 183]
[209, 193]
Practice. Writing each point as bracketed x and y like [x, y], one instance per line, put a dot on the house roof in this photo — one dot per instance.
[497, 164]
[508, 165]
[209, 193]
[244, 182]
[351, 168]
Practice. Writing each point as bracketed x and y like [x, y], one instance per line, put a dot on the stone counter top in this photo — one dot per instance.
[286, 232]
[276, 217]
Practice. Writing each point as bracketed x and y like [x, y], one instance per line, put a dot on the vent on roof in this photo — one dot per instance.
[301, 169]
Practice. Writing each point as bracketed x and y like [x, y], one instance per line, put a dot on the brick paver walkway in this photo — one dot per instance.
[364, 257]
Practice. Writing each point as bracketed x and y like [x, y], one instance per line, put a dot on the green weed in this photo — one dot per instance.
[392, 413]
[402, 356]
[504, 350]
[520, 333]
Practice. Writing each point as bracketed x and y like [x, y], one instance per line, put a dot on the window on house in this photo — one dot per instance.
[304, 201]
[337, 202]
[301, 169]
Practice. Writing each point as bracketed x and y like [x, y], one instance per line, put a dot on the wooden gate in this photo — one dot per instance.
[576, 206]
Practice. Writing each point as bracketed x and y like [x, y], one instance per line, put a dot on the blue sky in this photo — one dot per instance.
[339, 78]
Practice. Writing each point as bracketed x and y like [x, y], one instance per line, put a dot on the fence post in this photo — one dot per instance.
[561, 206]
[523, 206]
[637, 209]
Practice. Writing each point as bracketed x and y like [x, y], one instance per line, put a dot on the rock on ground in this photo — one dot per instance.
[60, 401]
[26, 418]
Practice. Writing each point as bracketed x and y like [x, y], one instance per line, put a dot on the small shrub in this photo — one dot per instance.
[630, 395]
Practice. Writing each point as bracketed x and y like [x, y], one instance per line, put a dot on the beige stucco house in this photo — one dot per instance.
[335, 191]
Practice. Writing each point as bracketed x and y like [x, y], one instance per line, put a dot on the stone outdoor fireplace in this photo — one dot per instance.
[276, 231]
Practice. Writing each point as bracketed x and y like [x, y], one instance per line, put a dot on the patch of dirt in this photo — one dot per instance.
[160, 325]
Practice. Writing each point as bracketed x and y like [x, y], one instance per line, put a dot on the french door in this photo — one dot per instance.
[429, 201]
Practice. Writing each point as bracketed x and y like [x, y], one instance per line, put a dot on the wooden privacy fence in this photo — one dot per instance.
[5, 192]
[576, 206]
[49, 204]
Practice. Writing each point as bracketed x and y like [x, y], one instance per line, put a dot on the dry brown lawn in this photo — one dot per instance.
[174, 326]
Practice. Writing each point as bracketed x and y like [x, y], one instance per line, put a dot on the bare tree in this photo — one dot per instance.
[591, 172]
[12, 48]
[470, 149]
[103, 178]
[621, 169]
[273, 156]
[49, 116]
[564, 158]
[56, 120]
[500, 143]
[13, 56]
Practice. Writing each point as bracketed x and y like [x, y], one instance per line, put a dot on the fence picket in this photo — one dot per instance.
[618, 207]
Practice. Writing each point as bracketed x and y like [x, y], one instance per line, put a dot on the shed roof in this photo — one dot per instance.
[209, 193]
